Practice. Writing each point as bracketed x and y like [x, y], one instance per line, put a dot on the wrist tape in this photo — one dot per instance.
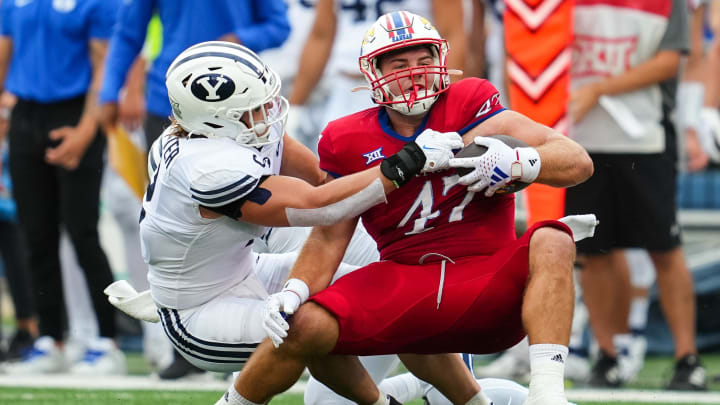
[401, 167]
[298, 287]
[530, 161]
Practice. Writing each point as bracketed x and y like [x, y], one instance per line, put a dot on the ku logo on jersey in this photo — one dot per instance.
[374, 155]
[399, 26]
[212, 87]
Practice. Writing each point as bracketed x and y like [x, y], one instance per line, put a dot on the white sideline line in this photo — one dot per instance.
[205, 383]
[211, 384]
[644, 396]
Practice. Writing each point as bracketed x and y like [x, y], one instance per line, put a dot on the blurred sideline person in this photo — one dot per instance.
[13, 255]
[330, 53]
[256, 24]
[435, 220]
[698, 95]
[218, 179]
[56, 159]
[620, 108]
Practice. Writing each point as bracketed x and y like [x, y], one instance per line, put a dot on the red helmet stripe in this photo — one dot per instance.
[407, 22]
[389, 25]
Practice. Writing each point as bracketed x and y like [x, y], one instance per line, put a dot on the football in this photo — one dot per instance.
[472, 150]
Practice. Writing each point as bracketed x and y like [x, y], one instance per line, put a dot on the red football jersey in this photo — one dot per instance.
[432, 213]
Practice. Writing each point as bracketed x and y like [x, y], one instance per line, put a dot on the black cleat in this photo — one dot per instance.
[179, 368]
[606, 372]
[689, 375]
[20, 344]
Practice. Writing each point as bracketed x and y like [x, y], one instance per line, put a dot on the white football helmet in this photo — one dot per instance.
[394, 31]
[213, 84]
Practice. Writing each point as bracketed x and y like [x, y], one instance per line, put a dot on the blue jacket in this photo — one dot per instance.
[50, 59]
[259, 24]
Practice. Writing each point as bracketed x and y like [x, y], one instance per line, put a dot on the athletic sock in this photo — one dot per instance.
[547, 369]
[232, 397]
[638, 313]
[404, 387]
[479, 399]
[622, 343]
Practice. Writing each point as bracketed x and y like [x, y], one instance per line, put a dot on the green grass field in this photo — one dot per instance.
[21, 396]
[657, 370]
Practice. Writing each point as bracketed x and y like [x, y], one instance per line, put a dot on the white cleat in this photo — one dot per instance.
[44, 358]
[507, 365]
[634, 361]
[577, 368]
[101, 358]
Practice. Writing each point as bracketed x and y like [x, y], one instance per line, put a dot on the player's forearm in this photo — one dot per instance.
[5, 53]
[321, 254]
[694, 66]
[345, 186]
[712, 83]
[663, 66]
[89, 118]
[293, 202]
[135, 82]
[312, 64]
[316, 52]
[564, 162]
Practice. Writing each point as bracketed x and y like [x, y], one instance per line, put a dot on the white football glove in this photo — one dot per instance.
[498, 166]
[709, 132]
[438, 148]
[281, 305]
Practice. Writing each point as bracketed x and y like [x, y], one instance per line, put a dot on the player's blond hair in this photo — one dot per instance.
[176, 129]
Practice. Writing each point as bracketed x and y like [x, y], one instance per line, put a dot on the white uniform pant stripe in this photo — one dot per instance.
[214, 352]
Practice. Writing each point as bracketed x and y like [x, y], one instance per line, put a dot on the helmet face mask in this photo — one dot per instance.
[215, 86]
[400, 32]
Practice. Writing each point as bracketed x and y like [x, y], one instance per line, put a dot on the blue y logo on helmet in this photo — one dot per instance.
[212, 87]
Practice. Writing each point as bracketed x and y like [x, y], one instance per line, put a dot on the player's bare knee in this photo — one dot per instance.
[552, 247]
[313, 330]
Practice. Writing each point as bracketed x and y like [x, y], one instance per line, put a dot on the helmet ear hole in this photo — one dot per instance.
[186, 80]
[213, 125]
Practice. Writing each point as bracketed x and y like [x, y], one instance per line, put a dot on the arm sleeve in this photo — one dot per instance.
[127, 40]
[102, 19]
[677, 34]
[480, 101]
[222, 187]
[269, 27]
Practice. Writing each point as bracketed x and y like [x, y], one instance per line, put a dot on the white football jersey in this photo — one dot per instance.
[193, 259]
[354, 17]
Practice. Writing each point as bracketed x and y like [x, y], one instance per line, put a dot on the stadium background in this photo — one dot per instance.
[698, 199]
